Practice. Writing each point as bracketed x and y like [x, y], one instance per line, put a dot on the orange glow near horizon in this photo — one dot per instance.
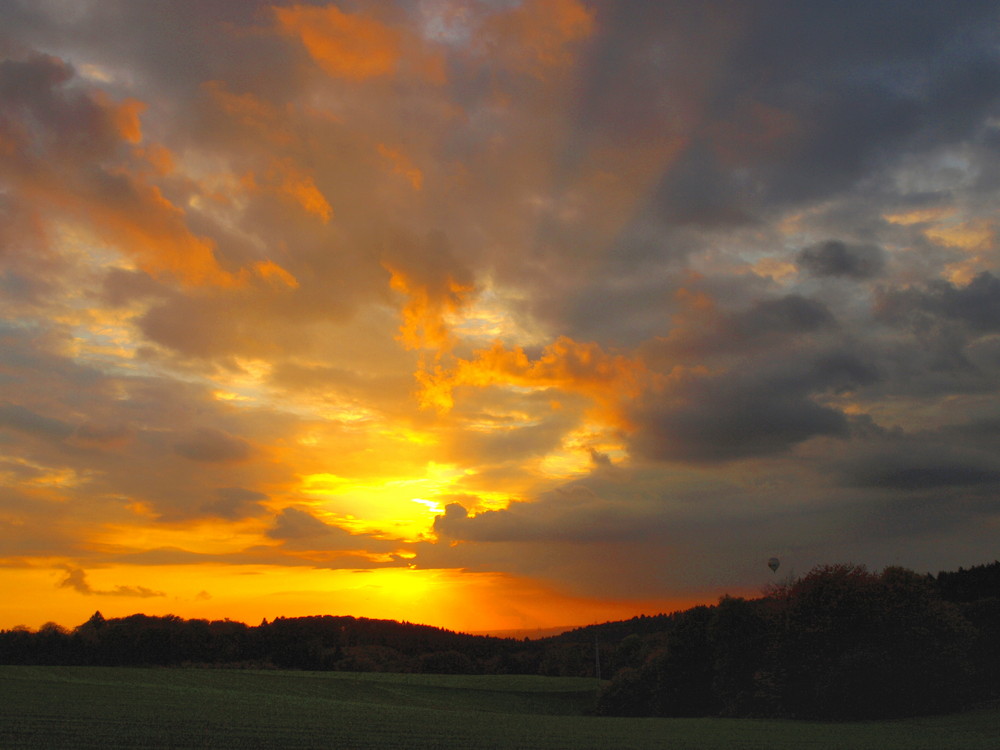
[461, 601]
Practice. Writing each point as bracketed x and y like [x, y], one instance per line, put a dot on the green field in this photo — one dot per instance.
[99, 707]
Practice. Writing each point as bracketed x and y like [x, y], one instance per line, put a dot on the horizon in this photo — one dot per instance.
[491, 314]
[516, 633]
[513, 633]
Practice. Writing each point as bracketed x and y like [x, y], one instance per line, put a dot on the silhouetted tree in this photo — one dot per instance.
[854, 644]
[839, 643]
[738, 633]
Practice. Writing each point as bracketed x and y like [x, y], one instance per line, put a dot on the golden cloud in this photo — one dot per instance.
[402, 165]
[566, 365]
[344, 45]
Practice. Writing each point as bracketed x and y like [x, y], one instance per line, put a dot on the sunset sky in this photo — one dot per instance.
[491, 314]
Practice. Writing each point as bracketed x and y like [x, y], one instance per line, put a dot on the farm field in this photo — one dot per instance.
[103, 707]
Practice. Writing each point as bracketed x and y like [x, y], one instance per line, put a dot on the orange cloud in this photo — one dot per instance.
[697, 318]
[61, 172]
[694, 300]
[424, 315]
[978, 234]
[345, 45]
[286, 178]
[250, 111]
[402, 165]
[159, 158]
[566, 364]
[976, 237]
[298, 185]
[124, 116]
[272, 272]
[139, 220]
[920, 216]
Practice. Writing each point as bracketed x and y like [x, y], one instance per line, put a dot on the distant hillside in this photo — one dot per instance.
[522, 633]
[839, 642]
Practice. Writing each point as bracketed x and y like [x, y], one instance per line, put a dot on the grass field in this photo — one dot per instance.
[98, 707]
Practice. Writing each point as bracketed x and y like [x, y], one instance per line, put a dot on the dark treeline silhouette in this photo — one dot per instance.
[839, 643]
[318, 643]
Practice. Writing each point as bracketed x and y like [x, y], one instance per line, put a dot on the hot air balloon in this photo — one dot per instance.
[773, 564]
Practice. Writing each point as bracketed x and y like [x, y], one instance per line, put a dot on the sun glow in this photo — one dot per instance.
[390, 504]
[463, 601]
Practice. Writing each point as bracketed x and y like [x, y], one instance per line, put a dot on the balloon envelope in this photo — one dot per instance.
[773, 564]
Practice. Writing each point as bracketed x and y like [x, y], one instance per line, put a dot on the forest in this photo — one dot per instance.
[841, 642]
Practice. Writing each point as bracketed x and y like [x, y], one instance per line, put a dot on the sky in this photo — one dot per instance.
[491, 314]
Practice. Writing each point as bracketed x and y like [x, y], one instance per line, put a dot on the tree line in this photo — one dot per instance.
[841, 642]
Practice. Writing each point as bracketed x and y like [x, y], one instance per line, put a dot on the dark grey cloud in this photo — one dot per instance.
[608, 506]
[983, 430]
[922, 466]
[698, 190]
[18, 286]
[101, 433]
[786, 315]
[865, 82]
[205, 328]
[68, 124]
[210, 445]
[796, 104]
[293, 523]
[719, 535]
[720, 530]
[573, 513]
[725, 419]
[298, 529]
[952, 324]
[121, 287]
[919, 476]
[777, 363]
[235, 503]
[76, 579]
[173, 48]
[17, 417]
[954, 457]
[836, 258]
[976, 304]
